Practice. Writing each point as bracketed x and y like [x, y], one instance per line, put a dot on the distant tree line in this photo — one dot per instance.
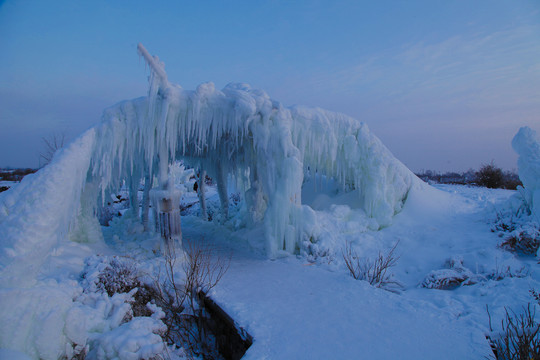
[489, 175]
[13, 175]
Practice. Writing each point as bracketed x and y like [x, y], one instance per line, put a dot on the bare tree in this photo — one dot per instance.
[51, 144]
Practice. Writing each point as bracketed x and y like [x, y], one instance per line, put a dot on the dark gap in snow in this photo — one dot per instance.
[232, 340]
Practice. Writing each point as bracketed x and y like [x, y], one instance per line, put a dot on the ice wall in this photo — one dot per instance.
[527, 144]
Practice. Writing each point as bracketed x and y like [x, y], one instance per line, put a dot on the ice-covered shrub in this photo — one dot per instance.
[115, 316]
[446, 279]
[518, 227]
[520, 336]
[504, 223]
[523, 241]
[455, 275]
[167, 308]
[374, 271]
[118, 275]
[315, 252]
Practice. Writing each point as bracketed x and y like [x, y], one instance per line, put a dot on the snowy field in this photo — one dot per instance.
[304, 306]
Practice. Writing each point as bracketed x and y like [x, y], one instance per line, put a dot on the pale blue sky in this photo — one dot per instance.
[444, 84]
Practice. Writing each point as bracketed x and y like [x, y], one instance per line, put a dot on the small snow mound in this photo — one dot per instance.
[137, 339]
[454, 276]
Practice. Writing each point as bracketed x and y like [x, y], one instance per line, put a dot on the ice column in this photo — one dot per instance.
[166, 202]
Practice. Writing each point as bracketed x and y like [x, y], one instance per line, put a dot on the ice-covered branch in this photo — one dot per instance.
[154, 63]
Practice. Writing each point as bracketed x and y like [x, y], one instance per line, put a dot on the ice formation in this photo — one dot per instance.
[238, 134]
[527, 144]
[241, 134]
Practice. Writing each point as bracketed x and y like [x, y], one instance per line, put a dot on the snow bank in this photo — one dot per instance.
[37, 215]
[67, 319]
[527, 144]
[33, 319]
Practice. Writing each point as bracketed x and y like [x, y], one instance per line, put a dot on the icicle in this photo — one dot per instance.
[201, 182]
[148, 181]
[222, 191]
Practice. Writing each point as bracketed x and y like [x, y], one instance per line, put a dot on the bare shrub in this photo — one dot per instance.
[51, 144]
[203, 269]
[511, 180]
[502, 272]
[490, 176]
[520, 337]
[373, 271]
[121, 275]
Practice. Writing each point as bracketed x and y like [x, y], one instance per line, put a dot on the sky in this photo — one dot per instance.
[444, 84]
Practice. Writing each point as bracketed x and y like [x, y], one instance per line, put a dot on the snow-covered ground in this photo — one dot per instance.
[303, 306]
[299, 307]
